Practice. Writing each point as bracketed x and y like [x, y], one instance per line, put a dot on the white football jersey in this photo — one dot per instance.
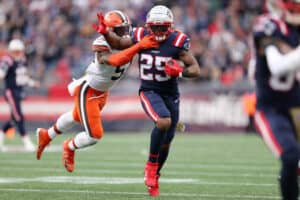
[103, 76]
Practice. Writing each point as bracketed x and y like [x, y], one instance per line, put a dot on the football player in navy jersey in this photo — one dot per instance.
[159, 72]
[276, 40]
[13, 71]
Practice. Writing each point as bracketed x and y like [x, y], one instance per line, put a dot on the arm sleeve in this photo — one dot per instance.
[280, 64]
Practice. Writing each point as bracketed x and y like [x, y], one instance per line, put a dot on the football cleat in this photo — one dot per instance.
[28, 145]
[154, 190]
[150, 174]
[43, 140]
[68, 156]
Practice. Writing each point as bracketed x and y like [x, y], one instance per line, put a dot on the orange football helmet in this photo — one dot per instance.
[118, 22]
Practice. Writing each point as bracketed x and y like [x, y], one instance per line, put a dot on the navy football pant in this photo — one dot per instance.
[160, 106]
[278, 132]
[14, 101]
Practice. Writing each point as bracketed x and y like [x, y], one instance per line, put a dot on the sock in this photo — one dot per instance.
[163, 155]
[53, 131]
[71, 145]
[63, 124]
[156, 140]
[82, 140]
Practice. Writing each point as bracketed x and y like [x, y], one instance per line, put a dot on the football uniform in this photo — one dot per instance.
[278, 101]
[159, 92]
[92, 91]
[15, 78]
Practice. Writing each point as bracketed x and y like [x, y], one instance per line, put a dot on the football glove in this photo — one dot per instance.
[148, 42]
[100, 27]
[172, 68]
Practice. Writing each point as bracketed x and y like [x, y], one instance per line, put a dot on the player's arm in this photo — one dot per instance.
[280, 63]
[267, 40]
[5, 63]
[191, 66]
[115, 41]
[190, 69]
[126, 55]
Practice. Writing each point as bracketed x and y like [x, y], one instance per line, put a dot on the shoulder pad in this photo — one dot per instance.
[181, 40]
[266, 25]
[100, 44]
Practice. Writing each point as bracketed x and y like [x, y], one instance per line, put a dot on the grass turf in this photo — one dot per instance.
[200, 166]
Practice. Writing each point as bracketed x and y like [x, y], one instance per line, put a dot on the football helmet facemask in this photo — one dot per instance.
[118, 22]
[159, 22]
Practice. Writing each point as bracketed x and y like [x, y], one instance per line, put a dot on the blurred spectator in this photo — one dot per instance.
[61, 30]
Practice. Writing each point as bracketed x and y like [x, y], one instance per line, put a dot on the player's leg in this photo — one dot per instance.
[90, 102]
[172, 103]
[14, 100]
[155, 107]
[44, 136]
[6, 126]
[277, 131]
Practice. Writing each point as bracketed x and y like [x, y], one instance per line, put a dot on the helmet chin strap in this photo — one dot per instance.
[293, 19]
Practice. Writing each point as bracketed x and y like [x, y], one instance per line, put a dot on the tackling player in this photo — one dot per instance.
[13, 70]
[159, 72]
[90, 92]
[276, 40]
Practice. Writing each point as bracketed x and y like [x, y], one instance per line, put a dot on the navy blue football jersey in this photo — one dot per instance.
[16, 76]
[152, 61]
[280, 92]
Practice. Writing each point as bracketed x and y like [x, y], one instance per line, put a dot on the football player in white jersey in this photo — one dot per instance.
[90, 92]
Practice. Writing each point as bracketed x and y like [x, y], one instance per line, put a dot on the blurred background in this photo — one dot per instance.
[58, 36]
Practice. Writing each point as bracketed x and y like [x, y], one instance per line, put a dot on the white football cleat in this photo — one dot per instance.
[28, 145]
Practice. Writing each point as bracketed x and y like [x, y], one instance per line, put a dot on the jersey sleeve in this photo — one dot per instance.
[100, 44]
[266, 26]
[5, 63]
[137, 34]
[182, 41]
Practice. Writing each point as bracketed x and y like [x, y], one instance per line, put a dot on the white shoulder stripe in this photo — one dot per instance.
[139, 34]
[179, 39]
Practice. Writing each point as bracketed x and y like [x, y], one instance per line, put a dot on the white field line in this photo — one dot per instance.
[187, 166]
[122, 180]
[138, 172]
[186, 195]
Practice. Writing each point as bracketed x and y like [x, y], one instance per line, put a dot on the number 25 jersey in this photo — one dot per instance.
[152, 61]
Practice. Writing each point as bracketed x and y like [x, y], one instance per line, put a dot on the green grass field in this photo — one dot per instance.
[227, 166]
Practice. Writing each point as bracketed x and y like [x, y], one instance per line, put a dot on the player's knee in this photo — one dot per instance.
[163, 123]
[97, 133]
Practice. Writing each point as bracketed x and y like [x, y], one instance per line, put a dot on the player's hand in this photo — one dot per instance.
[172, 68]
[100, 27]
[148, 42]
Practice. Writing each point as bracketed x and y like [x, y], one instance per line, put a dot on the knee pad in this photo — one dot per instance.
[163, 123]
